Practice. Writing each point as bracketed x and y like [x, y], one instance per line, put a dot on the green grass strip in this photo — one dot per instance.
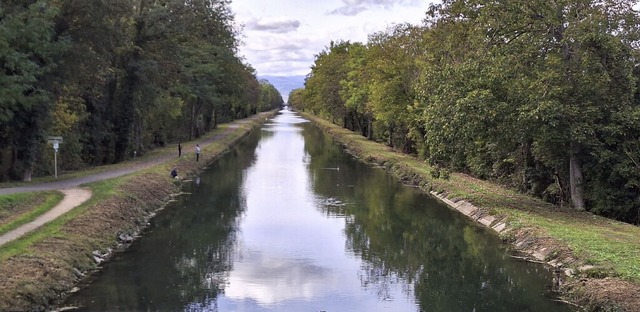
[607, 243]
[109, 188]
[100, 191]
[49, 199]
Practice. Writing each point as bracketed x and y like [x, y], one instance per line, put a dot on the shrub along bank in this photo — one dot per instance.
[40, 269]
[596, 260]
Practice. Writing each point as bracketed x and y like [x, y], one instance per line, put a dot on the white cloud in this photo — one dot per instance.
[270, 280]
[387, 3]
[354, 7]
[289, 53]
[348, 10]
[274, 25]
[281, 37]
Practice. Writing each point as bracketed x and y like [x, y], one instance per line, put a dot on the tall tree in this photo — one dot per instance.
[98, 33]
[270, 97]
[355, 90]
[28, 53]
[325, 79]
[114, 77]
[578, 72]
[393, 72]
[296, 99]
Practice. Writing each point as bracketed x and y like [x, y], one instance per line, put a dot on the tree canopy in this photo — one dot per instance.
[540, 96]
[115, 77]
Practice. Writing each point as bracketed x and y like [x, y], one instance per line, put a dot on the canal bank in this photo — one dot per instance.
[288, 221]
[43, 267]
[600, 276]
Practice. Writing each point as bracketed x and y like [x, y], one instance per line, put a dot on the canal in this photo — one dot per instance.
[287, 221]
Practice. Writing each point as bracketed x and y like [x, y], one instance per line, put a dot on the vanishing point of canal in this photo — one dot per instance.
[287, 221]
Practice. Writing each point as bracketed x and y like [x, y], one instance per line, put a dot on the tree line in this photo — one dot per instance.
[541, 96]
[116, 78]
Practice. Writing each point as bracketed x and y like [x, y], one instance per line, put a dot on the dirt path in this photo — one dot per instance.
[188, 151]
[72, 198]
[75, 196]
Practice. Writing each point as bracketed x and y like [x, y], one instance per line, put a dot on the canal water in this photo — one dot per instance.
[289, 222]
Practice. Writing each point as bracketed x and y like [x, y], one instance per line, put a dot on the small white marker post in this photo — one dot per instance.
[55, 140]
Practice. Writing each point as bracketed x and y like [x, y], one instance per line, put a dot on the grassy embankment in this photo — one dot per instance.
[18, 209]
[599, 247]
[42, 266]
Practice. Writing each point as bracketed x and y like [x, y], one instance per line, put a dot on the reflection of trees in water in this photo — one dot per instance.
[203, 267]
[324, 154]
[449, 264]
[382, 279]
[184, 260]
[211, 230]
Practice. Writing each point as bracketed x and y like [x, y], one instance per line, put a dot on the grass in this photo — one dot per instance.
[596, 240]
[25, 207]
[38, 269]
[168, 149]
[100, 191]
[30, 199]
[108, 188]
[606, 243]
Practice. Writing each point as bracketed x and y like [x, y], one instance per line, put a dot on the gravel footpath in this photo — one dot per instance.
[74, 196]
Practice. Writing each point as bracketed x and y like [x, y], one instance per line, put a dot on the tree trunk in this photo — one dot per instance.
[576, 188]
[26, 174]
[125, 122]
[215, 119]
[359, 124]
[192, 120]
[575, 178]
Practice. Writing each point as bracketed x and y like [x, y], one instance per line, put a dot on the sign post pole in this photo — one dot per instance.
[55, 141]
[55, 159]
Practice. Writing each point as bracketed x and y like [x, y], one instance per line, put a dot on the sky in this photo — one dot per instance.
[281, 37]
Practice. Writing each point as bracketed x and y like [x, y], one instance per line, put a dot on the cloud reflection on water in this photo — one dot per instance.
[269, 279]
[290, 256]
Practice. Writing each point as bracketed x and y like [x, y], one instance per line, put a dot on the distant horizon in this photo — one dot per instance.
[285, 84]
[274, 75]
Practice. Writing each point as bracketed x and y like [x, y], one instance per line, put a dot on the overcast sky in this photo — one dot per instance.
[281, 37]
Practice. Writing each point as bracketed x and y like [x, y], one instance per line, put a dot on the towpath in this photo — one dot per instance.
[74, 195]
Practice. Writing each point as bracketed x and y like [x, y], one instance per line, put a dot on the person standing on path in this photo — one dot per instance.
[197, 152]
[179, 149]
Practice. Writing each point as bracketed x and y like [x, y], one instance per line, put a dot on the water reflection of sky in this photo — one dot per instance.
[291, 257]
[277, 237]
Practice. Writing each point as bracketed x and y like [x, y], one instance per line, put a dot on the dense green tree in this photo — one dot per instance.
[578, 75]
[270, 98]
[325, 81]
[114, 78]
[541, 96]
[29, 49]
[355, 90]
[450, 90]
[393, 72]
[246, 104]
[96, 33]
[296, 99]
